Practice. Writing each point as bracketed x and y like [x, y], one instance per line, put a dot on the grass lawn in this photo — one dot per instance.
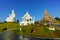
[40, 31]
[9, 26]
[31, 30]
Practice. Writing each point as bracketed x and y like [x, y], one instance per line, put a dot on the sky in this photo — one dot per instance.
[34, 7]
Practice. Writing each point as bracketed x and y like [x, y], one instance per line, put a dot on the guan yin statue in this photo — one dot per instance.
[27, 19]
[11, 17]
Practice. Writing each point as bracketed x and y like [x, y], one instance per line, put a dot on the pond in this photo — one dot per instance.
[11, 36]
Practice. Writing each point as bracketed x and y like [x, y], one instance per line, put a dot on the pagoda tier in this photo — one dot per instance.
[46, 16]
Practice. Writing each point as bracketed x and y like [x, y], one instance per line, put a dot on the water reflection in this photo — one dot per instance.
[1, 36]
[7, 35]
[12, 36]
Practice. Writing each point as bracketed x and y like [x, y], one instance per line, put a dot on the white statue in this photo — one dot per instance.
[11, 17]
[27, 19]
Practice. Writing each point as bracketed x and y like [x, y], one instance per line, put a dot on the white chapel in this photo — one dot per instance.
[27, 19]
[11, 17]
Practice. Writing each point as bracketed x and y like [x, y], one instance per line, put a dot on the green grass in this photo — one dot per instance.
[40, 31]
[30, 30]
[9, 26]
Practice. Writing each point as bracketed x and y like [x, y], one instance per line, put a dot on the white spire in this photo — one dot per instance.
[12, 11]
[27, 13]
[13, 14]
[33, 19]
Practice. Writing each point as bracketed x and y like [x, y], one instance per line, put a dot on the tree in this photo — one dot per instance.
[5, 21]
[17, 21]
[57, 18]
[36, 22]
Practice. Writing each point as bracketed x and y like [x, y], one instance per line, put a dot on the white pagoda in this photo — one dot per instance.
[27, 19]
[11, 17]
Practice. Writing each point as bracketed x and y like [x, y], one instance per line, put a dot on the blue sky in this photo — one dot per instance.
[34, 7]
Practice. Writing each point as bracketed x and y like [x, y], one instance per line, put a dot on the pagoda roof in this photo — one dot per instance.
[27, 15]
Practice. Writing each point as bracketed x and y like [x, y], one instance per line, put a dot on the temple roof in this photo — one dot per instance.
[27, 15]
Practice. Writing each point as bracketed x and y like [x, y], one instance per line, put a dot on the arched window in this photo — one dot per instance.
[30, 19]
[27, 20]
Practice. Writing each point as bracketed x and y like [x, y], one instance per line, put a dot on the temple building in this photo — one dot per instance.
[47, 18]
[11, 17]
[27, 19]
